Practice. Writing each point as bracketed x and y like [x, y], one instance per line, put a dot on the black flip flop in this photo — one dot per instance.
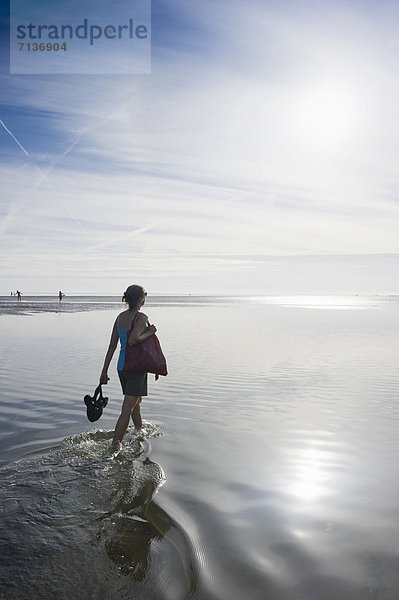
[95, 404]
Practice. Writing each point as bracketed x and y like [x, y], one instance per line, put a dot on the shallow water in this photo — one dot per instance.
[268, 469]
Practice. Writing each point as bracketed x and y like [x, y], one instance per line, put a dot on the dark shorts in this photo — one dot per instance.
[133, 383]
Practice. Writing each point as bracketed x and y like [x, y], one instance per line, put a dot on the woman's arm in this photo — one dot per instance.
[108, 357]
[138, 334]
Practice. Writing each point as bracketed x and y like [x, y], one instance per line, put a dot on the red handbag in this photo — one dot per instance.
[145, 356]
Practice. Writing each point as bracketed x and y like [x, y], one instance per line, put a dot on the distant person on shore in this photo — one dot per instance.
[134, 383]
[19, 296]
[60, 295]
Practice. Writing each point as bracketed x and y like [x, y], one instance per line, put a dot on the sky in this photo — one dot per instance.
[259, 156]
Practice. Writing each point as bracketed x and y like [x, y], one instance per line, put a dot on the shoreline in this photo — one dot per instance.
[29, 308]
[9, 305]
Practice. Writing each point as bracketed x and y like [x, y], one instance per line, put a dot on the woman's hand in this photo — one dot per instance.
[104, 378]
[146, 329]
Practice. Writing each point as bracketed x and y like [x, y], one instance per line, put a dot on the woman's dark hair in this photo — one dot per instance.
[133, 294]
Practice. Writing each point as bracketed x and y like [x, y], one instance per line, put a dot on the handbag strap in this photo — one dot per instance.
[132, 323]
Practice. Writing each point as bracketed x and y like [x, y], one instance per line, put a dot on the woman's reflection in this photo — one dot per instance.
[138, 537]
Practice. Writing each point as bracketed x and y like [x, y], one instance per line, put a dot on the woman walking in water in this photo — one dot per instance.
[134, 383]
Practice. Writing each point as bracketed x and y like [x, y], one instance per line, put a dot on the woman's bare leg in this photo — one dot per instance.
[128, 406]
[136, 415]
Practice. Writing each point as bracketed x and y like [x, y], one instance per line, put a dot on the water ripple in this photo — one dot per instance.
[78, 509]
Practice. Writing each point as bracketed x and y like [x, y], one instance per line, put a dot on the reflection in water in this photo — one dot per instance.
[135, 526]
[130, 546]
[76, 511]
[142, 545]
[311, 476]
[129, 531]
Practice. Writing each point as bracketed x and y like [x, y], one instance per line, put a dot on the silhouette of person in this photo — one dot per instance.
[19, 295]
[134, 384]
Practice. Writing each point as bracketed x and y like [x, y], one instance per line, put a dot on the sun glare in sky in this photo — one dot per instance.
[327, 115]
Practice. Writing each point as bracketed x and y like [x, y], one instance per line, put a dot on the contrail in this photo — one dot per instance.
[122, 237]
[36, 185]
[44, 176]
[14, 138]
[22, 148]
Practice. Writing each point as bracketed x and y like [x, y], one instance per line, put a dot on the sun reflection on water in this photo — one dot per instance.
[323, 302]
[312, 479]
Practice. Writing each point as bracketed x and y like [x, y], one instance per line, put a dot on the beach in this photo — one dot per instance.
[268, 468]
